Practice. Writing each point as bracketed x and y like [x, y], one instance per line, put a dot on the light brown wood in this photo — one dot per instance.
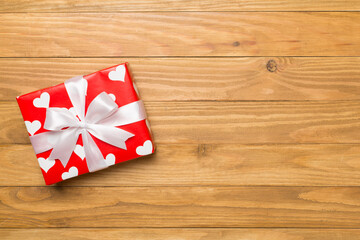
[179, 5]
[230, 122]
[168, 5]
[179, 233]
[254, 106]
[203, 165]
[180, 34]
[325, 207]
[182, 79]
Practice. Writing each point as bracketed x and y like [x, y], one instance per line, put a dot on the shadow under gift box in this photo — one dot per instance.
[50, 114]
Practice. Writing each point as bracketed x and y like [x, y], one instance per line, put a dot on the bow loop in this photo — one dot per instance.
[126, 114]
[101, 107]
[59, 118]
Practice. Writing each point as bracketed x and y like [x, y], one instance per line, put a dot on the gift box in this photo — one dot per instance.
[86, 124]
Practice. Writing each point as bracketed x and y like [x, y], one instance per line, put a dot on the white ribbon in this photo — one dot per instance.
[102, 118]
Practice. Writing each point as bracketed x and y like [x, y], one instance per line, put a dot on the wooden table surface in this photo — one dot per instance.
[254, 107]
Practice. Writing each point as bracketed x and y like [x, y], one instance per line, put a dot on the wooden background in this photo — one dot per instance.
[254, 107]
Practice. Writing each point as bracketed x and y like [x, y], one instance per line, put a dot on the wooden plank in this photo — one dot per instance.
[230, 122]
[180, 34]
[179, 233]
[218, 164]
[181, 79]
[323, 207]
[181, 5]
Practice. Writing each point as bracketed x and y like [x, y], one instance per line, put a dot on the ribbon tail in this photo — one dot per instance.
[66, 145]
[101, 107]
[94, 158]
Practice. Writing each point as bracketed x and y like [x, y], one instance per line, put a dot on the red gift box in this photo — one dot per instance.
[89, 122]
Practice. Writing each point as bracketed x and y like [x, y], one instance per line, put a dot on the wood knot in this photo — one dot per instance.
[235, 44]
[271, 66]
[201, 150]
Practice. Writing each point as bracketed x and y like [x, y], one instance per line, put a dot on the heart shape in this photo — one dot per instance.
[118, 74]
[112, 96]
[146, 149]
[73, 172]
[43, 101]
[32, 127]
[79, 150]
[110, 159]
[46, 164]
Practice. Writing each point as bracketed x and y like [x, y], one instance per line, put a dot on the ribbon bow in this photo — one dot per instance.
[101, 120]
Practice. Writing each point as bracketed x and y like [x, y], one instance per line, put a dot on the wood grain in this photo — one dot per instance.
[180, 5]
[182, 79]
[254, 106]
[179, 233]
[206, 164]
[325, 207]
[230, 122]
[180, 34]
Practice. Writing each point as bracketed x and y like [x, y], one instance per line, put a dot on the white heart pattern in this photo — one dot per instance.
[119, 74]
[110, 159]
[79, 150]
[46, 164]
[112, 96]
[146, 149]
[32, 127]
[73, 172]
[43, 101]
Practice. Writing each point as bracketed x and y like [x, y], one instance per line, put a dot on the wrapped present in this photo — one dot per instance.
[86, 124]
